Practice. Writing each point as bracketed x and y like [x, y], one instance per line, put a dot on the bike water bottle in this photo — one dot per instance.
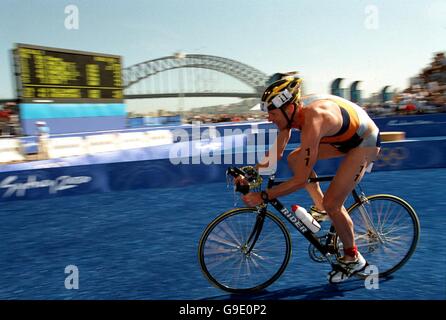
[306, 218]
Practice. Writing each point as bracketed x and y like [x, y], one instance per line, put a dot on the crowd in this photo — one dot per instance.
[425, 94]
[429, 87]
[9, 119]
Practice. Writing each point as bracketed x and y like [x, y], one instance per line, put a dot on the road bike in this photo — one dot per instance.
[245, 250]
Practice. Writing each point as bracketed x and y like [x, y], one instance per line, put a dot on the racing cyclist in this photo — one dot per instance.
[330, 127]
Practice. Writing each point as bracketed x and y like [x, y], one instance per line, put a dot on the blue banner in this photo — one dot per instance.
[73, 117]
[70, 110]
[428, 125]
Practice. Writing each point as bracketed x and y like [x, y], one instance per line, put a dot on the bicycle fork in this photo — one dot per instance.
[255, 233]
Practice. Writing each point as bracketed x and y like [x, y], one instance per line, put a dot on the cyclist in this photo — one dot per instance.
[330, 127]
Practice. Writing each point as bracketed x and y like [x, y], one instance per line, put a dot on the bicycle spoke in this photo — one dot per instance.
[221, 240]
[221, 250]
[228, 230]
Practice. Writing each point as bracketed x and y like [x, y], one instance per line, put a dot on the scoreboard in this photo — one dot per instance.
[68, 76]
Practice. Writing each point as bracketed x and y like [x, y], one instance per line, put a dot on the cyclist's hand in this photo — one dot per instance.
[241, 180]
[252, 199]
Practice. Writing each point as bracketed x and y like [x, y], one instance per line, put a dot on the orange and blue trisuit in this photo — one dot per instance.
[356, 130]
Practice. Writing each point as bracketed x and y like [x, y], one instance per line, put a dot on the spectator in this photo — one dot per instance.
[5, 116]
[43, 135]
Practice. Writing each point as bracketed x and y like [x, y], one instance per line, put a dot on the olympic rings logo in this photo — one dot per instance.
[392, 157]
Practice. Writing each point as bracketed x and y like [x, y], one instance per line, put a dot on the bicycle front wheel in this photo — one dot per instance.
[226, 260]
[386, 232]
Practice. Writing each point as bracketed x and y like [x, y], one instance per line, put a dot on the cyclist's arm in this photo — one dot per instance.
[302, 166]
[275, 153]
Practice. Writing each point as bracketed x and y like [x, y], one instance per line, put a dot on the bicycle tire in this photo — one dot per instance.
[383, 208]
[226, 266]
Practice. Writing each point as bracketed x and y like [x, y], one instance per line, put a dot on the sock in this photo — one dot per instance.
[352, 252]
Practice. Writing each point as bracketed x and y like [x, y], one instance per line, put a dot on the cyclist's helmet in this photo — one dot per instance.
[282, 90]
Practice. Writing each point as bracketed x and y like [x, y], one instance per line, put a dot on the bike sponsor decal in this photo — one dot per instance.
[294, 220]
[60, 183]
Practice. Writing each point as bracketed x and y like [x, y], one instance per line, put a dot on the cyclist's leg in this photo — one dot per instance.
[349, 173]
[315, 192]
[326, 151]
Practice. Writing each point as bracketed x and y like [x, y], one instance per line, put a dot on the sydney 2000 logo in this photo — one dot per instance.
[14, 187]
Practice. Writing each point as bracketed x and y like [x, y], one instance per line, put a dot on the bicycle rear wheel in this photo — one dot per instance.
[224, 257]
[386, 232]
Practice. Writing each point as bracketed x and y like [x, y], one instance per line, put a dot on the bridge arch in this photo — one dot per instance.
[247, 74]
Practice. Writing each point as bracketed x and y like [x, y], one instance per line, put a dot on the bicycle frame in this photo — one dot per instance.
[323, 248]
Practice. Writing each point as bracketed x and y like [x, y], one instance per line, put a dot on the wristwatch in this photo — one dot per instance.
[264, 196]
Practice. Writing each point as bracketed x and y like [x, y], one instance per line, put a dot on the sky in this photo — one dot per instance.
[378, 42]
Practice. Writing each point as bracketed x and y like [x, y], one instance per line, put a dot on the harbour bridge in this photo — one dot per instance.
[192, 75]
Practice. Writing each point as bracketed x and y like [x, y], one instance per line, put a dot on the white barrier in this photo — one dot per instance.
[66, 147]
[101, 143]
[50, 148]
[132, 140]
[10, 150]
[159, 137]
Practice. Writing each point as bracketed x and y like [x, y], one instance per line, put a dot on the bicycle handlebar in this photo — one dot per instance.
[236, 172]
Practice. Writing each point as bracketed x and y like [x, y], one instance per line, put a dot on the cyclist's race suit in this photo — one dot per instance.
[358, 129]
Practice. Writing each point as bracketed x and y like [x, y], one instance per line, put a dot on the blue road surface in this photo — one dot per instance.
[142, 244]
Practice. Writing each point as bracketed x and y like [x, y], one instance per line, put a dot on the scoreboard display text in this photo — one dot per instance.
[63, 75]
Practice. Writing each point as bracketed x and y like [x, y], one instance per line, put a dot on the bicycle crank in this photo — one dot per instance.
[315, 254]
